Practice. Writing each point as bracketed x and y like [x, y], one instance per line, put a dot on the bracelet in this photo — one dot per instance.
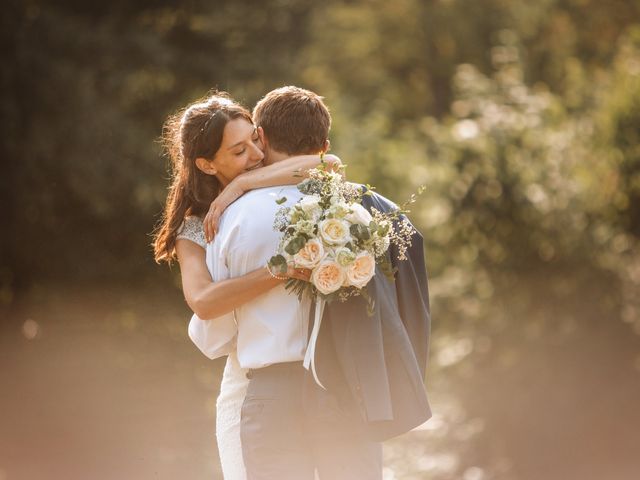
[273, 274]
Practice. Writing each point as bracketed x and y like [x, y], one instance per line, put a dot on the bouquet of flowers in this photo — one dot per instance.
[329, 232]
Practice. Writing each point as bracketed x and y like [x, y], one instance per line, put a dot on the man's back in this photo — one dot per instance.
[272, 328]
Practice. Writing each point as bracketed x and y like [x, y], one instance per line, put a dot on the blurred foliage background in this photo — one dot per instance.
[521, 118]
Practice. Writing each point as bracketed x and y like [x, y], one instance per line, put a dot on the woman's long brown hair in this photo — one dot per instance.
[192, 132]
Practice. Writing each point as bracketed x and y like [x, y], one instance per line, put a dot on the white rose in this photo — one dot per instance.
[339, 210]
[359, 215]
[361, 270]
[334, 231]
[328, 276]
[310, 255]
[310, 204]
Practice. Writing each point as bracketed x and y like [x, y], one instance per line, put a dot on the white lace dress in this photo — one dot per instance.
[232, 389]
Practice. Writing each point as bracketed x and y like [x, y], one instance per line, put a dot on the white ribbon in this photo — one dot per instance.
[309, 357]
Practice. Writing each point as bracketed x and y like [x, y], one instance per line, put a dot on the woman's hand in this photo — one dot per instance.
[334, 163]
[285, 172]
[234, 190]
[298, 273]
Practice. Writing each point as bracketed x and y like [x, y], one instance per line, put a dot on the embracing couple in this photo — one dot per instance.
[231, 172]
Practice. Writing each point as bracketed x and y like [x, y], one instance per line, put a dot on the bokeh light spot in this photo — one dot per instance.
[30, 329]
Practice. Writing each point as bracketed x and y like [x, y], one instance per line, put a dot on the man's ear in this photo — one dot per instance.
[206, 166]
[327, 146]
[262, 137]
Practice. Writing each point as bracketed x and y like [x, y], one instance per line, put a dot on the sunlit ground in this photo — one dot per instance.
[104, 384]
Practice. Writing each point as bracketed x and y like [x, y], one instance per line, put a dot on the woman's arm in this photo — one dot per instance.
[285, 172]
[209, 299]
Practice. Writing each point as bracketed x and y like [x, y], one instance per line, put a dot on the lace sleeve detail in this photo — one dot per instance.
[192, 229]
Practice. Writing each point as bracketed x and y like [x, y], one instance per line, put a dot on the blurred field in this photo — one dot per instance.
[109, 388]
[102, 383]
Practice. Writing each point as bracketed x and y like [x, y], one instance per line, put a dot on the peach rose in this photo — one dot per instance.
[361, 270]
[328, 276]
[310, 255]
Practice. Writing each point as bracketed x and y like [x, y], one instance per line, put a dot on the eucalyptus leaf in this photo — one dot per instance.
[295, 245]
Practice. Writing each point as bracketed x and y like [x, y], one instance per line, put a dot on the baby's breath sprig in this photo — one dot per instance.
[402, 231]
[412, 199]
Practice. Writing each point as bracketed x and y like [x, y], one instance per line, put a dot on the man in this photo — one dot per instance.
[373, 367]
[290, 426]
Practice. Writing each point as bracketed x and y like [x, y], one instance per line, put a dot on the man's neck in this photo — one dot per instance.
[275, 157]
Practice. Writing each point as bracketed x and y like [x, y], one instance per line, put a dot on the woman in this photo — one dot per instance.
[216, 155]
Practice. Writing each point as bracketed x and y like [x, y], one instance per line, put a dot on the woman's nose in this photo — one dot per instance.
[258, 144]
[257, 152]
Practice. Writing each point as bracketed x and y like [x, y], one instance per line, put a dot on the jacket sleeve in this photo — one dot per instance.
[413, 296]
[412, 288]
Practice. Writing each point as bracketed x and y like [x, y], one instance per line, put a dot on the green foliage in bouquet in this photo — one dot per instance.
[329, 232]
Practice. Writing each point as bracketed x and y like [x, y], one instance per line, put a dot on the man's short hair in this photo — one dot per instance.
[295, 121]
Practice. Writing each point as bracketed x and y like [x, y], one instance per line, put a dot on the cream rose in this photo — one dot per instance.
[361, 270]
[358, 214]
[328, 276]
[310, 255]
[334, 231]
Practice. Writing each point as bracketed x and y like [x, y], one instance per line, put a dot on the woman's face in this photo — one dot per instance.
[240, 151]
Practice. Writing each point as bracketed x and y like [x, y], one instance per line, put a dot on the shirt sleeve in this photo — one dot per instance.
[215, 337]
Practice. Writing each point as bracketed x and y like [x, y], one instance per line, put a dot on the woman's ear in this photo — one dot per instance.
[206, 166]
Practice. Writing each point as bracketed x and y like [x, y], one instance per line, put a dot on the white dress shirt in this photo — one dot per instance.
[272, 328]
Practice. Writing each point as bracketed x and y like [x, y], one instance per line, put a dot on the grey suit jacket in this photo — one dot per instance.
[379, 361]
